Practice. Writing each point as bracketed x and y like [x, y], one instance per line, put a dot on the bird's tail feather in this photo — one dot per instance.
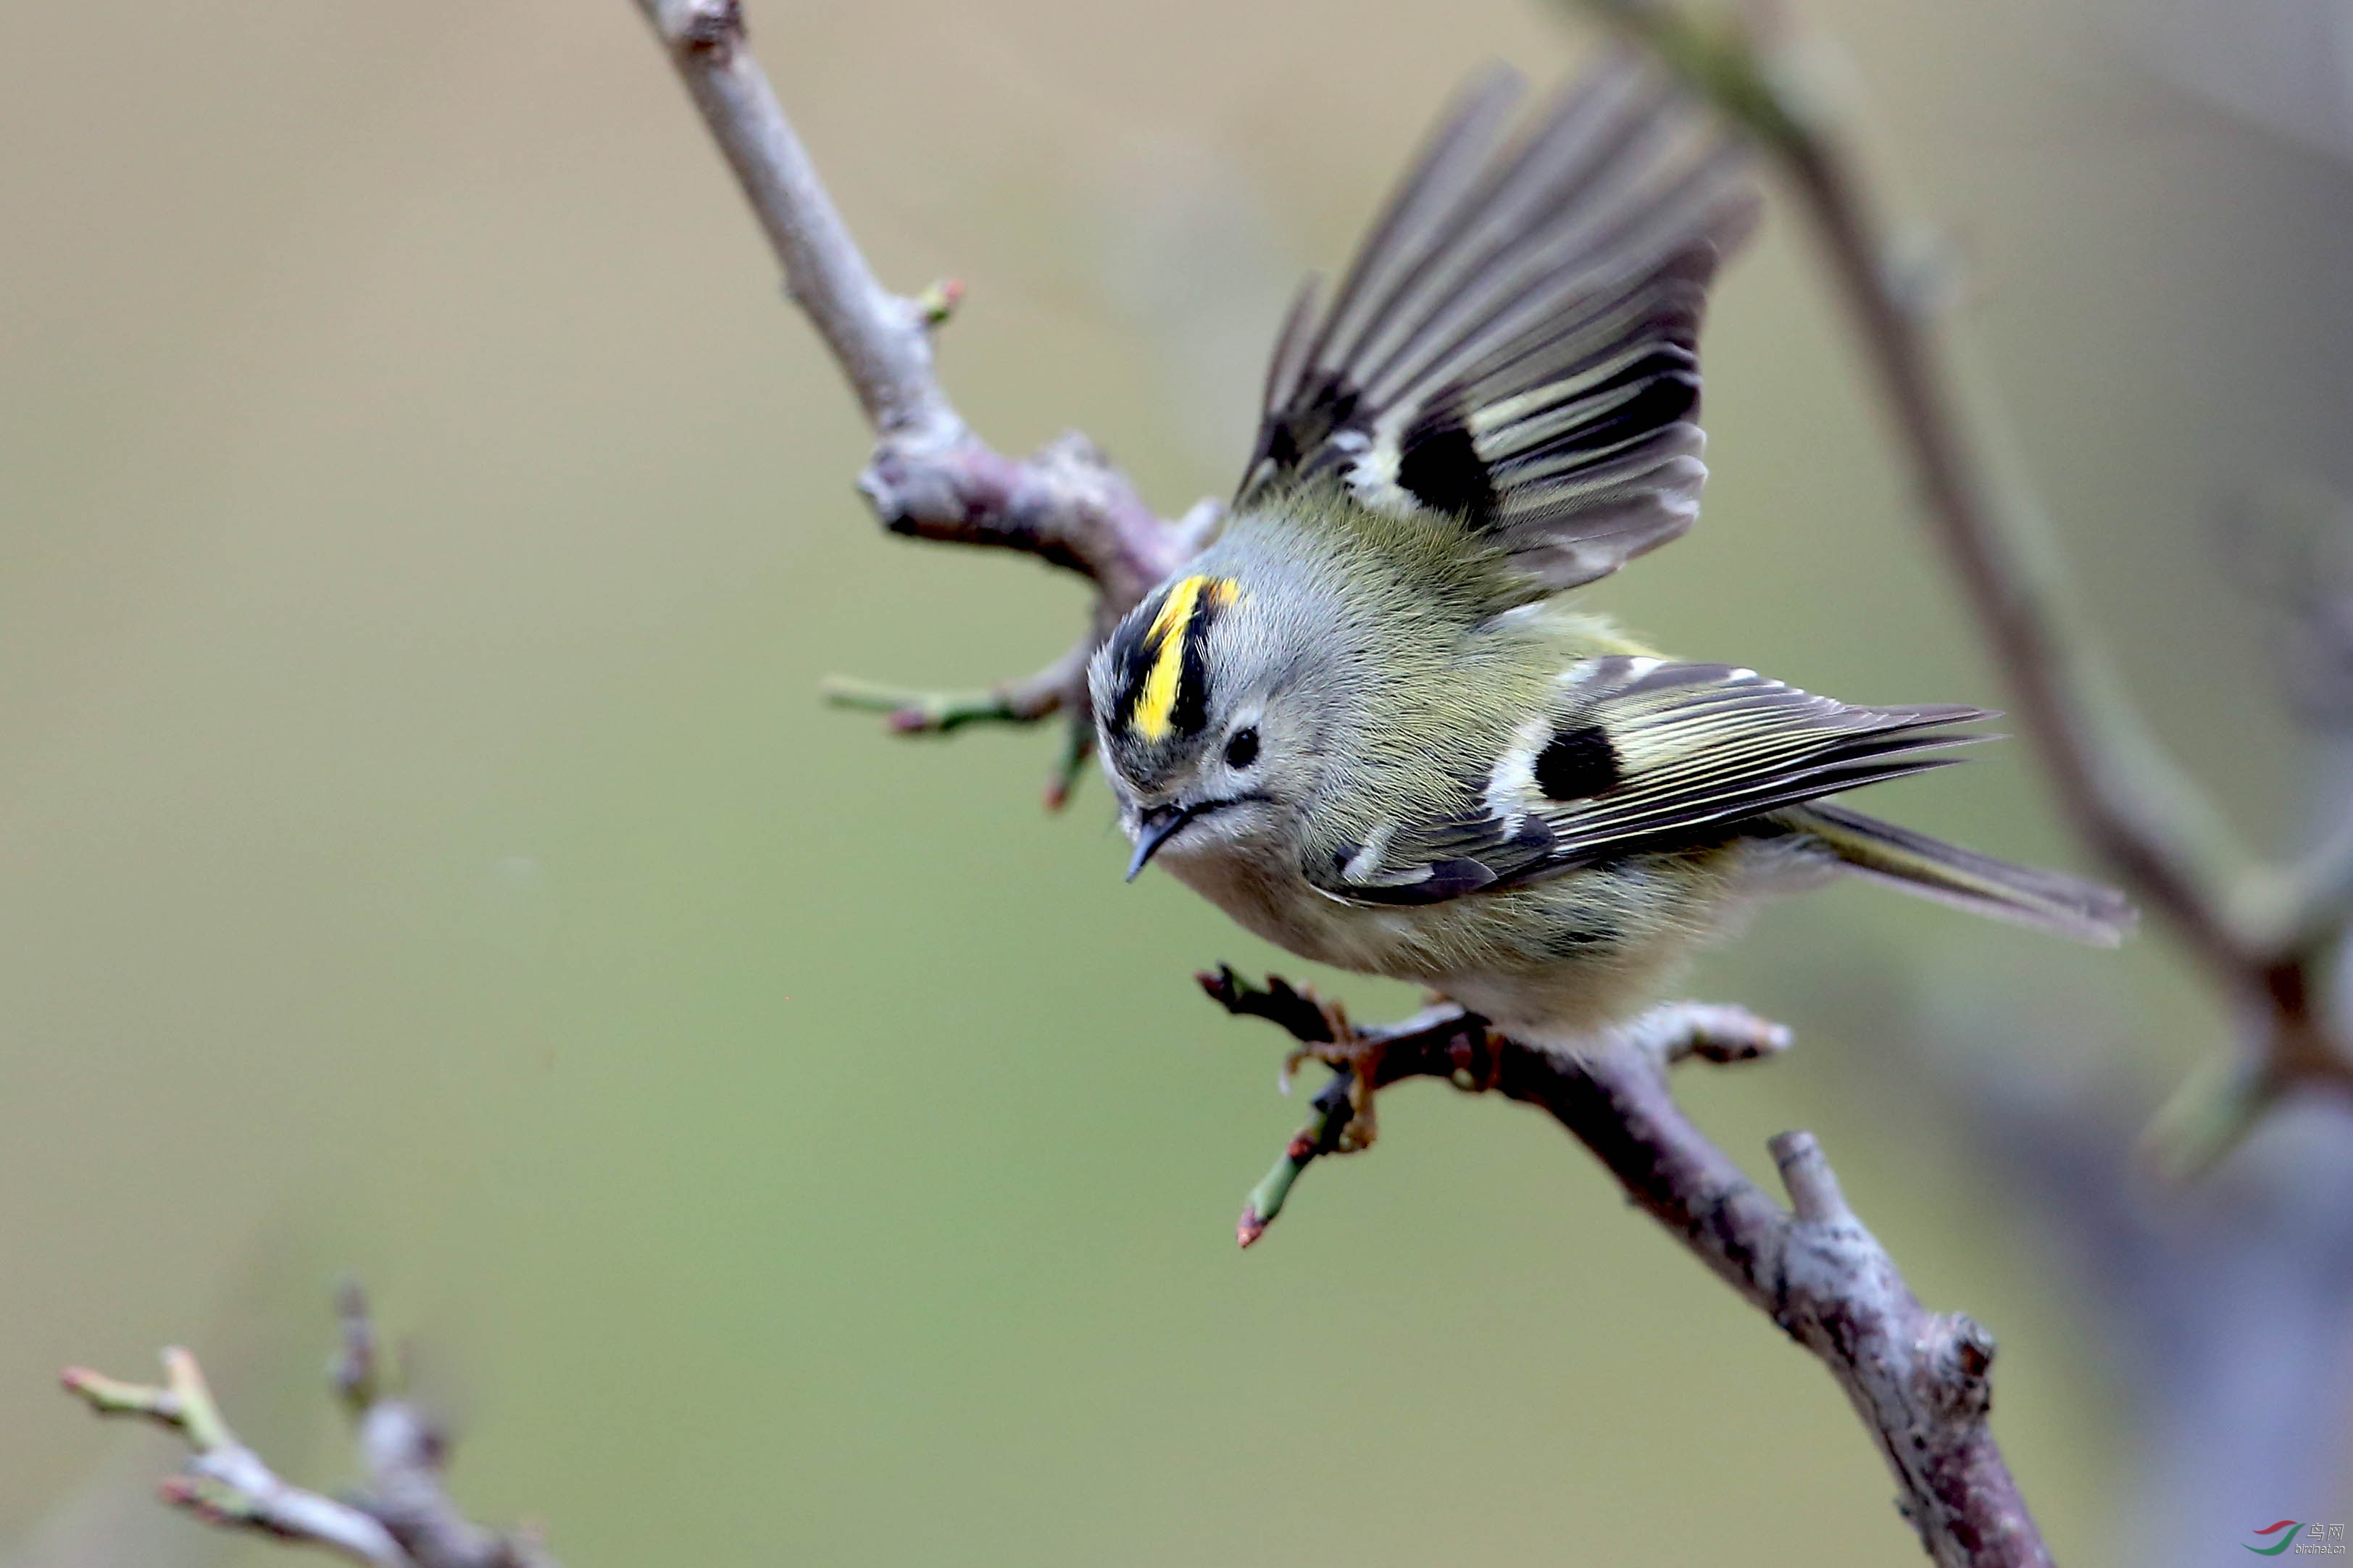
[2046, 901]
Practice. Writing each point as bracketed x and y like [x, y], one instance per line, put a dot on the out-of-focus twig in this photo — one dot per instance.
[930, 476]
[1919, 1380]
[226, 1482]
[914, 712]
[2264, 933]
[404, 1519]
[2225, 1315]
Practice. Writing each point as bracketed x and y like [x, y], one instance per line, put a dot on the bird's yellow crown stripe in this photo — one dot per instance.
[1156, 706]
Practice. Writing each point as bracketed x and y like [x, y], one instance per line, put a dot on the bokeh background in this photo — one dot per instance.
[422, 528]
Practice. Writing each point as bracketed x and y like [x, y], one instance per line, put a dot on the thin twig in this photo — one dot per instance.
[1920, 1381]
[226, 1483]
[405, 1518]
[1058, 687]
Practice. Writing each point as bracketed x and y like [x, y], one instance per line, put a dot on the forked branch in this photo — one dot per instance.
[406, 1517]
[1919, 1380]
[929, 477]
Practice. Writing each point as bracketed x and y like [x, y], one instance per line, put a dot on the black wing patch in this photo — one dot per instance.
[1438, 465]
[1577, 761]
[1515, 344]
[1631, 756]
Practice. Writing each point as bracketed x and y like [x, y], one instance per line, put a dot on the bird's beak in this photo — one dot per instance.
[1156, 827]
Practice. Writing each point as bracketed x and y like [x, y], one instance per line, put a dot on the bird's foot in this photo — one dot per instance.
[1359, 1057]
[1324, 1035]
[1345, 1119]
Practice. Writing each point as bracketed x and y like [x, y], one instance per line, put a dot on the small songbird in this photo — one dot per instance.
[1365, 721]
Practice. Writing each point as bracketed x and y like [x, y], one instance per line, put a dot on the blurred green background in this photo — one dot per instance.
[422, 851]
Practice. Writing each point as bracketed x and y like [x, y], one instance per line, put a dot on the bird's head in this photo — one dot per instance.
[1208, 731]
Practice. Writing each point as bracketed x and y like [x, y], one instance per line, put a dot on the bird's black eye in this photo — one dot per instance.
[1242, 750]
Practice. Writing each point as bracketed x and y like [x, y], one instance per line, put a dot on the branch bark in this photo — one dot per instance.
[405, 1518]
[2264, 933]
[929, 477]
[1920, 1381]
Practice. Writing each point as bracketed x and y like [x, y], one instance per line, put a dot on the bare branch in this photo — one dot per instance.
[1918, 1380]
[404, 1519]
[2262, 933]
[878, 337]
[929, 477]
[225, 1482]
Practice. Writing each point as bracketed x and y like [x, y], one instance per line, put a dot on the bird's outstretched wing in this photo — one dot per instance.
[1515, 343]
[1631, 754]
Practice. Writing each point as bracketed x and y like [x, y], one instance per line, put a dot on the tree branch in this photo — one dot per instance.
[404, 1519]
[1919, 1380]
[226, 1483]
[2261, 932]
[930, 476]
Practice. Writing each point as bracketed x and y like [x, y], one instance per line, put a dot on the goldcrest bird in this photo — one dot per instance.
[1365, 721]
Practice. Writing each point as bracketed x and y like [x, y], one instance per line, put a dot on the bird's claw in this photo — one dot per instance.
[1359, 1057]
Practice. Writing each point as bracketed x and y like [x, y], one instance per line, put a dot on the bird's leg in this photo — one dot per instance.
[1343, 1120]
[1478, 1066]
[1346, 1051]
[1324, 1035]
[1360, 1055]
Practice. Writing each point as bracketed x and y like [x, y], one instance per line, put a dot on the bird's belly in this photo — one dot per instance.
[1550, 959]
[1284, 910]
